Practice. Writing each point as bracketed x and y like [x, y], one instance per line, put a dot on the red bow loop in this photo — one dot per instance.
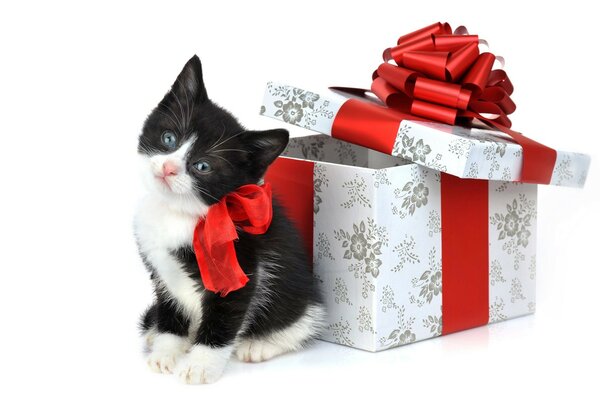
[439, 74]
[250, 208]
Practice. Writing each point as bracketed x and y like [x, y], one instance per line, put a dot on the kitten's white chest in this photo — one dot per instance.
[159, 231]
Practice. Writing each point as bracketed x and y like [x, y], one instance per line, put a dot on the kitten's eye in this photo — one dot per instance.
[202, 166]
[169, 139]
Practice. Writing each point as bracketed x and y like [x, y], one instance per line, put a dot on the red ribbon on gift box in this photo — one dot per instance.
[441, 76]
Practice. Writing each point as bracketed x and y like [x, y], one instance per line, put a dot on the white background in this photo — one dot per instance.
[77, 81]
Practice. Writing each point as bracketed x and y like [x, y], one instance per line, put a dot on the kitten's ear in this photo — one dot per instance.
[265, 146]
[190, 82]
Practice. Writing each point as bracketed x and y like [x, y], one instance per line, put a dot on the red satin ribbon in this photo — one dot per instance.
[441, 76]
[465, 253]
[292, 182]
[248, 208]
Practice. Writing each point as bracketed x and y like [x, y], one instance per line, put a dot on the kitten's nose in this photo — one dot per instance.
[170, 168]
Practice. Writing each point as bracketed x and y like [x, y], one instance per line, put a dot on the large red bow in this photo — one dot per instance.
[249, 208]
[441, 76]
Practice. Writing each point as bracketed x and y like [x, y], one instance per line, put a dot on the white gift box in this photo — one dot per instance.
[435, 237]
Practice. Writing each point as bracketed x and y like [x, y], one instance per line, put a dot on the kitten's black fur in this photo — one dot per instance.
[186, 110]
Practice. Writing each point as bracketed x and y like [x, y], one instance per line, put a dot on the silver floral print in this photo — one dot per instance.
[430, 281]
[514, 226]
[357, 193]
[516, 290]
[406, 253]
[497, 310]
[496, 275]
[434, 223]
[403, 333]
[363, 244]
[563, 171]
[346, 153]
[323, 247]
[516, 222]
[381, 178]
[292, 112]
[341, 292]
[460, 147]
[365, 321]
[416, 150]
[434, 323]
[342, 332]
[413, 195]
[297, 106]
[398, 337]
[320, 181]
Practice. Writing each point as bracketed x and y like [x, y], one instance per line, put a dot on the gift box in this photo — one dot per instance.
[416, 228]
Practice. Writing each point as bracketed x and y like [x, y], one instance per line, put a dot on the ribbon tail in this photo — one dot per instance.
[219, 268]
[230, 278]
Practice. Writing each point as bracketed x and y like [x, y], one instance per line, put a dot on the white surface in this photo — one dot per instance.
[77, 80]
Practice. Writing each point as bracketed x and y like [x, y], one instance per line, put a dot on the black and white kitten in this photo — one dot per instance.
[194, 153]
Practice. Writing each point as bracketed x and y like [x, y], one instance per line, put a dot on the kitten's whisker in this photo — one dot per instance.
[179, 126]
[223, 150]
[203, 191]
[224, 159]
[145, 148]
[174, 115]
[187, 102]
[180, 108]
[229, 138]
[220, 137]
[192, 112]
[168, 116]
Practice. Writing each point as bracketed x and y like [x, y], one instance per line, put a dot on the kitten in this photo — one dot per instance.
[193, 153]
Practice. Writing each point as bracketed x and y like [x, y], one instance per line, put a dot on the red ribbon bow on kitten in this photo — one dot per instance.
[249, 208]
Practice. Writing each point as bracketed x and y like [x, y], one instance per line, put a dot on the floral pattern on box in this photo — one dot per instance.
[570, 169]
[474, 153]
[512, 233]
[298, 107]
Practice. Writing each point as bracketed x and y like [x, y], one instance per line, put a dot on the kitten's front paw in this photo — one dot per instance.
[257, 351]
[166, 349]
[200, 373]
[203, 364]
[162, 362]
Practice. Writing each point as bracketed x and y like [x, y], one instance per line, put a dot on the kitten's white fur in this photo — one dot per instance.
[159, 228]
[203, 364]
[165, 220]
[166, 349]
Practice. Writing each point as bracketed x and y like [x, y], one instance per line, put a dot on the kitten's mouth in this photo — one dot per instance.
[164, 180]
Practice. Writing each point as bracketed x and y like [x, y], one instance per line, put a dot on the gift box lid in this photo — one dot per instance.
[477, 153]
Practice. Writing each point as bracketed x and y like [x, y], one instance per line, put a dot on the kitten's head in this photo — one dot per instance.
[194, 152]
